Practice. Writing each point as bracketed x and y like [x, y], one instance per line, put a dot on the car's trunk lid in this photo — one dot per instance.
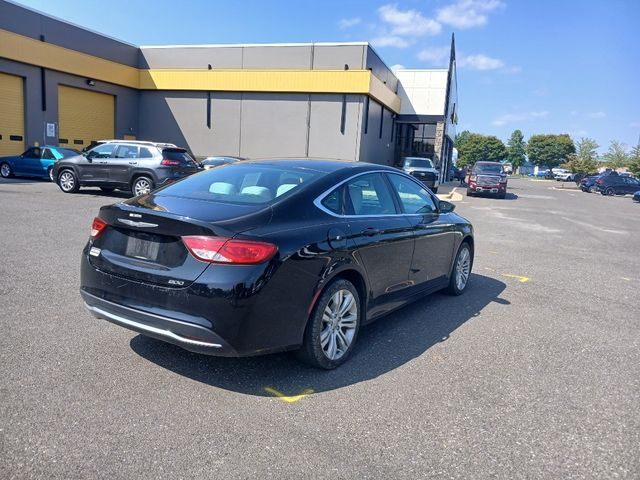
[143, 243]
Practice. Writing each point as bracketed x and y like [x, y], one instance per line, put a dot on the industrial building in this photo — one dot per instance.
[64, 85]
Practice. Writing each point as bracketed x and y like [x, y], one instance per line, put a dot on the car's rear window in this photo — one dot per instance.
[178, 155]
[241, 183]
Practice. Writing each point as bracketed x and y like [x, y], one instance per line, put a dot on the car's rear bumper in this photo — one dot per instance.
[189, 336]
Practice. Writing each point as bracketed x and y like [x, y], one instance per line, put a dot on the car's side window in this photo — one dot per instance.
[47, 155]
[32, 153]
[145, 153]
[333, 201]
[369, 195]
[127, 151]
[103, 151]
[413, 198]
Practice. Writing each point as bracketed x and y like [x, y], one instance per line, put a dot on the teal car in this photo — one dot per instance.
[35, 162]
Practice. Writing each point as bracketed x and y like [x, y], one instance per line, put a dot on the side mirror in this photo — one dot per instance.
[446, 207]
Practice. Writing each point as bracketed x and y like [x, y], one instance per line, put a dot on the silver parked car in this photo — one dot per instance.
[423, 170]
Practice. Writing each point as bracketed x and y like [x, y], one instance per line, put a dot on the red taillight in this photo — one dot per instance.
[97, 227]
[600, 181]
[169, 163]
[226, 250]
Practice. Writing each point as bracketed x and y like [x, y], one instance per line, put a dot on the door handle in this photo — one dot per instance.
[370, 232]
[133, 163]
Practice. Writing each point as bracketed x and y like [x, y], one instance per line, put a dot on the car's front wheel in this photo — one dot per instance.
[610, 191]
[5, 170]
[50, 174]
[333, 326]
[68, 182]
[461, 270]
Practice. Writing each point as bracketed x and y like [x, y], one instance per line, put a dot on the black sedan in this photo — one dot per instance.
[266, 256]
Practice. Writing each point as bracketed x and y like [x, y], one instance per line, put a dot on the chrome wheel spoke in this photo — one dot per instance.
[324, 337]
[349, 321]
[342, 340]
[339, 323]
[346, 304]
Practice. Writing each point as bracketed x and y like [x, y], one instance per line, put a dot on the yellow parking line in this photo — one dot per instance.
[288, 398]
[625, 278]
[520, 278]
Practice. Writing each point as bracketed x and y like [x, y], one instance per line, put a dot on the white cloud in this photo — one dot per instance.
[479, 62]
[509, 118]
[345, 23]
[397, 66]
[436, 56]
[468, 13]
[408, 22]
[596, 115]
[390, 41]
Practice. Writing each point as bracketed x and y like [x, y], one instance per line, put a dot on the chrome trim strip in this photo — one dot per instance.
[318, 201]
[148, 328]
[133, 223]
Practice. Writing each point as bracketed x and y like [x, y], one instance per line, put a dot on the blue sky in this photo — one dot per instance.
[542, 66]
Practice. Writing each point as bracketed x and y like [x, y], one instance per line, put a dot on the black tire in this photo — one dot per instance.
[138, 181]
[68, 182]
[107, 189]
[434, 190]
[469, 193]
[453, 288]
[5, 170]
[311, 351]
[610, 191]
[50, 174]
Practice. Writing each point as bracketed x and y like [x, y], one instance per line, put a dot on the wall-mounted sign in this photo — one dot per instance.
[51, 130]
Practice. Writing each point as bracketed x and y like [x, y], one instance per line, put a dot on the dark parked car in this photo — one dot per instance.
[636, 196]
[213, 162]
[616, 185]
[273, 255]
[35, 162]
[487, 178]
[587, 183]
[136, 166]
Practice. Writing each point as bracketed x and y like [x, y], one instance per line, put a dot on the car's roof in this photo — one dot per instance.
[319, 164]
[486, 162]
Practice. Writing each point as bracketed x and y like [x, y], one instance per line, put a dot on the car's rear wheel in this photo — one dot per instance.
[461, 270]
[50, 174]
[5, 170]
[68, 182]
[610, 191]
[141, 186]
[333, 326]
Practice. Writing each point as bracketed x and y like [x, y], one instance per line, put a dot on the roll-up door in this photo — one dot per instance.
[11, 115]
[84, 116]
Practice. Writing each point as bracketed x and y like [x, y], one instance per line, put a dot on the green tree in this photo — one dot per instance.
[634, 160]
[586, 158]
[516, 149]
[473, 147]
[617, 156]
[550, 150]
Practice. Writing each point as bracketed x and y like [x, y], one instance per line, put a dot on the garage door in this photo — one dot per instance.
[11, 115]
[84, 116]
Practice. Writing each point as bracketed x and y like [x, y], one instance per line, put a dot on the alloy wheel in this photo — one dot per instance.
[141, 187]
[5, 170]
[67, 181]
[463, 268]
[339, 321]
[50, 172]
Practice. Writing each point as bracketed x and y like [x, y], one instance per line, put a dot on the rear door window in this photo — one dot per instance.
[103, 151]
[127, 151]
[178, 155]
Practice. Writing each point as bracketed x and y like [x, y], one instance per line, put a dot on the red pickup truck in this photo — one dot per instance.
[487, 178]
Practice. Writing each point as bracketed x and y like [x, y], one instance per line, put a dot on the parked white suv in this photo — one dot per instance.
[563, 175]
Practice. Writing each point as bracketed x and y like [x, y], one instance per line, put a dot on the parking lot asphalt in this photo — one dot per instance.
[533, 373]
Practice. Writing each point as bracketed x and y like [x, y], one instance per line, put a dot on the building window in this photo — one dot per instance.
[415, 140]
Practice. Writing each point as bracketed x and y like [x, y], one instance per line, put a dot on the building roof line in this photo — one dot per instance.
[241, 45]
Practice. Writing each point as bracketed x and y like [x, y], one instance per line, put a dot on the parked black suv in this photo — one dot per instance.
[127, 165]
[614, 184]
